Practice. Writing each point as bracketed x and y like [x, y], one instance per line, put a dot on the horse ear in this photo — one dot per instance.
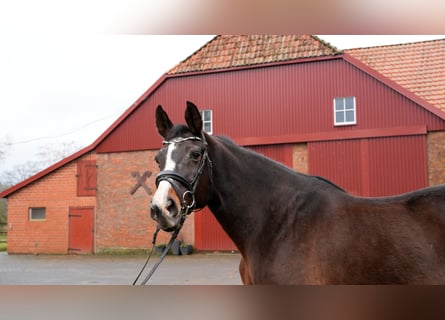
[163, 122]
[193, 118]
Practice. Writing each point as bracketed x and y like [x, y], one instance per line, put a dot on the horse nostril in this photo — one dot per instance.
[170, 204]
[155, 211]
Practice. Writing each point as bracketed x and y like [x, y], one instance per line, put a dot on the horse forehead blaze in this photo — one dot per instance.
[170, 164]
[164, 190]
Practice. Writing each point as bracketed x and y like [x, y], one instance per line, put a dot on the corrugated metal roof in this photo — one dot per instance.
[418, 67]
[229, 51]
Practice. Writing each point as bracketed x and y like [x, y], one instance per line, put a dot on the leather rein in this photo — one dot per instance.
[188, 203]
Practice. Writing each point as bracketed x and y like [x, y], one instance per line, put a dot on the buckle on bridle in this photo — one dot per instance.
[188, 199]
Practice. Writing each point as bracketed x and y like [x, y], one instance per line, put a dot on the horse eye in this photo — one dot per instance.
[195, 155]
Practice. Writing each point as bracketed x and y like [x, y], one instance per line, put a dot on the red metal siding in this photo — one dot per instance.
[338, 161]
[397, 165]
[372, 167]
[272, 101]
[281, 153]
[209, 235]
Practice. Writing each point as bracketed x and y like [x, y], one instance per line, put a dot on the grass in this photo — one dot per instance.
[122, 252]
[3, 244]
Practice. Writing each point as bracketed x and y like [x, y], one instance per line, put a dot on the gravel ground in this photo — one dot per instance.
[195, 269]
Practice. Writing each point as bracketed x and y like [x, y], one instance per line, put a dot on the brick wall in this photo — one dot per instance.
[436, 158]
[56, 192]
[123, 220]
[300, 157]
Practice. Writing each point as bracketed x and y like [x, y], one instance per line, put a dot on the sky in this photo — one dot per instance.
[70, 88]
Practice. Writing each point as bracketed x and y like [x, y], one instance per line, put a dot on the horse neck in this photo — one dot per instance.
[241, 189]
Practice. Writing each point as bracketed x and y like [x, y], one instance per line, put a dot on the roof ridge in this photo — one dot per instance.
[228, 51]
[395, 45]
[326, 43]
[193, 54]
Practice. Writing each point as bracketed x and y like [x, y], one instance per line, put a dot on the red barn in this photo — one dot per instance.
[348, 116]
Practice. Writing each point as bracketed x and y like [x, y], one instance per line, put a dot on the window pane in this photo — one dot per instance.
[37, 213]
[339, 117]
[207, 127]
[206, 115]
[339, 104]
[349, 103]
[349, 116]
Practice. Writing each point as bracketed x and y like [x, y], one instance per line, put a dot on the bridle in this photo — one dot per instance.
[187, 199]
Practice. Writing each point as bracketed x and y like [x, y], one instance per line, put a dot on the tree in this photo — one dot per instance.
[3, 206]
[20, 172]
[50, 154]
[3, 210]
[4, 146]
[47, 156]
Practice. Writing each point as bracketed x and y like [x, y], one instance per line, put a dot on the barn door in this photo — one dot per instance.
[372, 167]
[81, 230]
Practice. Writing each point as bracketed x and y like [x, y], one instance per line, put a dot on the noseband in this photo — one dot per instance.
[187, 199]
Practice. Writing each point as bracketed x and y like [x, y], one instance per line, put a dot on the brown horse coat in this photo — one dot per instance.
[292, 228]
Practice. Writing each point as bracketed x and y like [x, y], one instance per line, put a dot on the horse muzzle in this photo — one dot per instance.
[167, 217]
[165, 207]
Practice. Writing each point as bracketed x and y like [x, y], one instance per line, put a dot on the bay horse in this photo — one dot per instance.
[293, 228]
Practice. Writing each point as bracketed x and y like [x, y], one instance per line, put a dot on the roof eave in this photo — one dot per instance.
[257, 66]
[7, 192]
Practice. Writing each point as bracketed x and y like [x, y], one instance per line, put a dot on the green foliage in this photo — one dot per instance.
[122, 252]
[3, 210]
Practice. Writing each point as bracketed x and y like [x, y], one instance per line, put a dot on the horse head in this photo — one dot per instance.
[184, 178]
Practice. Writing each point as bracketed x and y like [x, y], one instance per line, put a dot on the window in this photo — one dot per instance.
[344, 111]
[207, 124]
[37, 214]
[86, 178]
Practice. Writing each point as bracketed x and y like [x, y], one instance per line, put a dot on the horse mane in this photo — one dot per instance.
[228, 141]
[330, 183]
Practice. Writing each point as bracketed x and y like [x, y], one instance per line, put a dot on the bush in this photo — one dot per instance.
[3, 210]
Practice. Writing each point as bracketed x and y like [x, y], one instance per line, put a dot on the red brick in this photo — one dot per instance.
[56, 192]
[436, 158]
[300, 157]
[123, 220]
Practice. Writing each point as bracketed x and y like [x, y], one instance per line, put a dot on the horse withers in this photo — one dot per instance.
[292, 228]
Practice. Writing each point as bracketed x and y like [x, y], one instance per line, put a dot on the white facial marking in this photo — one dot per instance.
[169, 163]
[160, 197]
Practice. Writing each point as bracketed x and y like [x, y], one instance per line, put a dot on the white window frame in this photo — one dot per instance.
[36, 209]
[207, 122]
[344, 110]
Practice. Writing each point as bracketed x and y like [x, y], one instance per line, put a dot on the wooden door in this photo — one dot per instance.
[81, 230]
